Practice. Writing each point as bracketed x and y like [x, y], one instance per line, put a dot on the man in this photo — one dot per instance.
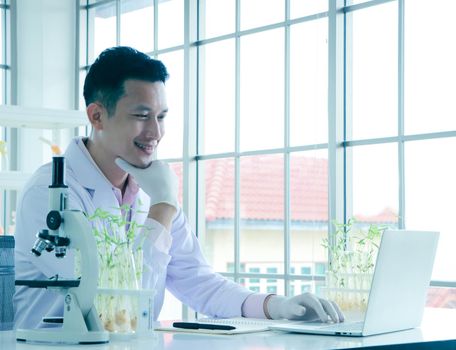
[126, 104]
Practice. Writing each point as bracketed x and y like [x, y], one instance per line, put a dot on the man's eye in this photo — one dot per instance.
[161, 117]
[141, 116]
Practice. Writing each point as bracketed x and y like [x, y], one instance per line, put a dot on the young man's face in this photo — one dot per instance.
[137, 126]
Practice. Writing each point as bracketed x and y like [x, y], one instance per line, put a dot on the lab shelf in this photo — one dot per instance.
[13, 180]
[41, 118]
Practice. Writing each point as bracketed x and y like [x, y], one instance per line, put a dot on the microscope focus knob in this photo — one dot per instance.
[54, 219]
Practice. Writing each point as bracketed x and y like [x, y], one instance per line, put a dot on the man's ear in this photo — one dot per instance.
[95, 112]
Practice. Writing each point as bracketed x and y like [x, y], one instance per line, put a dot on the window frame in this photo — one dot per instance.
[339, 62]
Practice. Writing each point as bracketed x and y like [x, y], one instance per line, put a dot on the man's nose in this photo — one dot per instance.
[153, 129]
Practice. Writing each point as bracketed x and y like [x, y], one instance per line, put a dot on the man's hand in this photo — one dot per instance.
[304, 307]
[161, 184]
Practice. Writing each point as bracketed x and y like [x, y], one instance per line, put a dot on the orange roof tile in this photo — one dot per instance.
[262, 189]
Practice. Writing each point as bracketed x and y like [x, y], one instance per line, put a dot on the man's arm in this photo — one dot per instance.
[192, 280]
[162, 213]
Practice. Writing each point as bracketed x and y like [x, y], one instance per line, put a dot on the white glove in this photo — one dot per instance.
[158, 180]
[304, 307]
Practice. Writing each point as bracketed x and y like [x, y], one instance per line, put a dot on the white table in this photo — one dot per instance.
[437, 325]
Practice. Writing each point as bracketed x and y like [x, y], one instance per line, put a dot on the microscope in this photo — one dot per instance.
[67, 229]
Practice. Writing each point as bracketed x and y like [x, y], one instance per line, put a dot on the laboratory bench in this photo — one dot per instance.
[437, 331]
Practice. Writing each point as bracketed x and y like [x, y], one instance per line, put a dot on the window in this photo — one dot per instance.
[254, 270]
[305, 288]
[271, 289]
[262, 182]
[305, 270]
[320, 268]
[409, 130]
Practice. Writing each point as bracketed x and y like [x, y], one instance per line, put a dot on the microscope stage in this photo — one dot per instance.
[51, 283]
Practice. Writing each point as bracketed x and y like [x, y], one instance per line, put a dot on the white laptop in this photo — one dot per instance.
[399, 288]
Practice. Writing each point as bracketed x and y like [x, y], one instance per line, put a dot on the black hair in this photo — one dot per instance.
[106, 77]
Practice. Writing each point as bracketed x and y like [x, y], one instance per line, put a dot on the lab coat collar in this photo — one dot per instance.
[88, 175]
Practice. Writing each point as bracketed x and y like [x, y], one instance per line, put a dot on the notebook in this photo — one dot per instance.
[242, 325]
[398, 292]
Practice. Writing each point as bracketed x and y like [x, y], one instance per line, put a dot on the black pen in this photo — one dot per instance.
[194, 325]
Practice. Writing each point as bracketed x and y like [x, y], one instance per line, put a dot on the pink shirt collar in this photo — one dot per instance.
[132, 188]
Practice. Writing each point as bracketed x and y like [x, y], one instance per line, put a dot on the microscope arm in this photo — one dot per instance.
[77, 228]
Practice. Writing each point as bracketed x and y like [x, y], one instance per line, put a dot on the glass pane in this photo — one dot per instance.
[103, 19]
[309, 211]
[261, 211]
[299, 8]
[217, 17]
[309, 83]
[137, 17]
[375, 184]
[429, 66]
[304, 286]
[263, 285]
[83, 44]
[374, 72]
[257, 13]
[171, 144]
[262, 90]
[170, 23]
[429, 198]
[217, 91]
[441, 297]
[217, 234]
[82, 76]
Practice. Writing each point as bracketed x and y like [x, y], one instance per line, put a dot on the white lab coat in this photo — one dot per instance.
[184, 270]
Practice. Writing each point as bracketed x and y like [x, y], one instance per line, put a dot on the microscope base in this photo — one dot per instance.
[59, 336]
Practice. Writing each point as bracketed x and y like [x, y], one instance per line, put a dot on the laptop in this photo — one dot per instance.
[398, 292]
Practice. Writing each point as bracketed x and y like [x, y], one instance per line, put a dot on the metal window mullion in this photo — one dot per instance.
[403, 138]
[10, 96]
[288, 22]
[287, 219]
[117, 22]
[439, 283]
[90, 32]
[77, 56]
[364, 5]
[155, 27]
[275, 276]
[99, 3]
[401, 151]
[12, 39]
[348, 115]
[189, 144]
[237, 161]
[336, 183]
[4, 50]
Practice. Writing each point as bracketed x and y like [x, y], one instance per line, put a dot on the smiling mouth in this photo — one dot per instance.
[145, 147]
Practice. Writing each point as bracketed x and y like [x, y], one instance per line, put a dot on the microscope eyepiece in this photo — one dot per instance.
[58, 172]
